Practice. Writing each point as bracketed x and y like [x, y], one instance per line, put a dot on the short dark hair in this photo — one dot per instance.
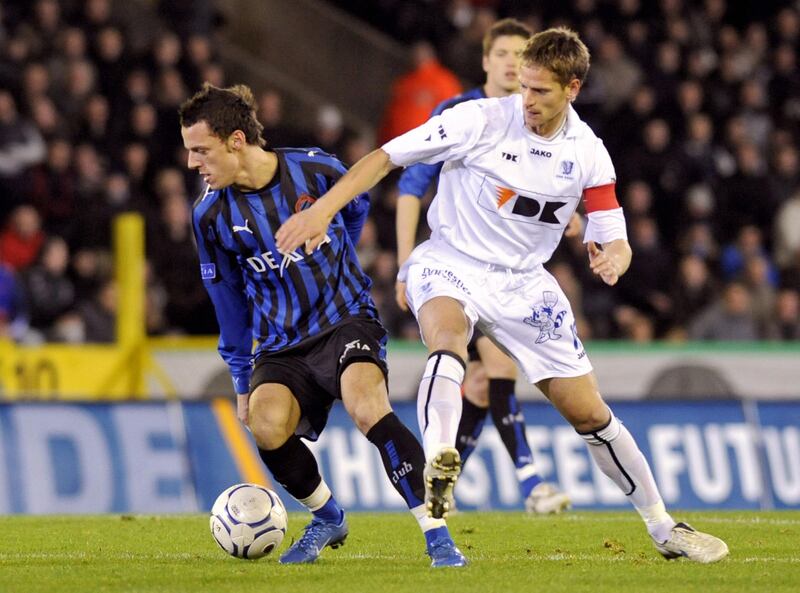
[505, 27]
[225, 111]
[561, 51]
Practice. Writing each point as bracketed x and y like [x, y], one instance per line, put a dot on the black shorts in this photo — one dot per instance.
[472, 348]
[312, 370]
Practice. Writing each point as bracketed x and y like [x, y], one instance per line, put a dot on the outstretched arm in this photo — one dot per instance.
[309, 226]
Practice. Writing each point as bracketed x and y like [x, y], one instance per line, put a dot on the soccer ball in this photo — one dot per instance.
[248, 521]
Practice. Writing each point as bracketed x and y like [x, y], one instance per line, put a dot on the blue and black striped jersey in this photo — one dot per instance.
[278, 299]
[416, 178]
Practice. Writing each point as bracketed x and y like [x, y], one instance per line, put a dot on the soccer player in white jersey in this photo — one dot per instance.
[515, 170]
[490, 375]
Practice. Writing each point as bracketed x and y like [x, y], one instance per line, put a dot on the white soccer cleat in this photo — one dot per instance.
[441, 473]
[686, 542]
[546, 499]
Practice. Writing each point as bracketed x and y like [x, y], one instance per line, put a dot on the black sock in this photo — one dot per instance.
[510, 422]
[469, 428]
[402, 458]
[294, 467]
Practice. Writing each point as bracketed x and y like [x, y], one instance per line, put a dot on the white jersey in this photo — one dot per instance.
[505, 194]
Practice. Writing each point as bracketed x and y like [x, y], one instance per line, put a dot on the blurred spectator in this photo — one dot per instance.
[784, 323]
[748, 244]
[693, 290]
[99, 315]
[21, 146]
[53, 188]
[49, 291]
[171, 250]
[616, 75]
[270, 114]
[22, 238]
[728, 319]
[415, 94]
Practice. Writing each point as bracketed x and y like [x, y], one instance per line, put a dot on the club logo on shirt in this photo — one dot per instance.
[303, 202]
[529, 207]
[538, 152]
[510, 157]
[545, 319]
[566, 167]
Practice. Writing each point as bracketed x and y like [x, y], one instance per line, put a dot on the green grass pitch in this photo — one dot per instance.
[508, 552]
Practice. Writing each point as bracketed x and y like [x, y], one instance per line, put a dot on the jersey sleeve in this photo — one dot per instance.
[222, 278]
[606, 221]
[445, 137]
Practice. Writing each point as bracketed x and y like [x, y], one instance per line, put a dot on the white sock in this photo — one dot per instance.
[318, 498]
[618, 456]
[439, 401]
[426, 522]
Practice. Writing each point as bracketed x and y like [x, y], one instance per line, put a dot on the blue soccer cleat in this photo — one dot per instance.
[443, 552]
[318, 534]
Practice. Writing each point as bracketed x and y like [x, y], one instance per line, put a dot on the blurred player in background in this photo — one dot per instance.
[515, 170]
[490, 375]
[317, 329]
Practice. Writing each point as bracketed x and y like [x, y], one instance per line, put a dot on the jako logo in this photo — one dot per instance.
[544, 153]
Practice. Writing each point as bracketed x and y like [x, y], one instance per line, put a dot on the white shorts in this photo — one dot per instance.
[525, 313]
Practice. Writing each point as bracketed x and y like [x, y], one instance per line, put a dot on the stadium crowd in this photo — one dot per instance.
[699, 104]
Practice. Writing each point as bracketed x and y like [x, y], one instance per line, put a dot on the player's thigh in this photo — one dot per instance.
[364, 394]
[497, 364]
[578, 400]
[476, 384]
[445, 325]
[274, 414]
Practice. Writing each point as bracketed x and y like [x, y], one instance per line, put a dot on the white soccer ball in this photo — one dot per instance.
[248, 521]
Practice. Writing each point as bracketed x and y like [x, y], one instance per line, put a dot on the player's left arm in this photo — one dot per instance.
[606, 220]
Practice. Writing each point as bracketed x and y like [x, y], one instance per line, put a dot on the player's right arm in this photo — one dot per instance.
[223, 280]
[448, 136]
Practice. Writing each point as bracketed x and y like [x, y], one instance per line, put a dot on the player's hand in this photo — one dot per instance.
[243, 408]
[400, 295]
[304, 228]
[574, 226]
[601, 264]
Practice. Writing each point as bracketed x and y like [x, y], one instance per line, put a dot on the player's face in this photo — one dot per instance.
[209, 155]
[544, 98]
[501, 65]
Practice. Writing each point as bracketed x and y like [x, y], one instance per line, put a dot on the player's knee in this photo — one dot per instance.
[367, 411]
[591, 420]
[271, 427]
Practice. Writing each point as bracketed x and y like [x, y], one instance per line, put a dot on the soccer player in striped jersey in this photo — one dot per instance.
[490, 375]
[317, 333]
[515, 170]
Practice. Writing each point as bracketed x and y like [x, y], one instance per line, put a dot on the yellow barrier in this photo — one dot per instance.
[94, 371]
